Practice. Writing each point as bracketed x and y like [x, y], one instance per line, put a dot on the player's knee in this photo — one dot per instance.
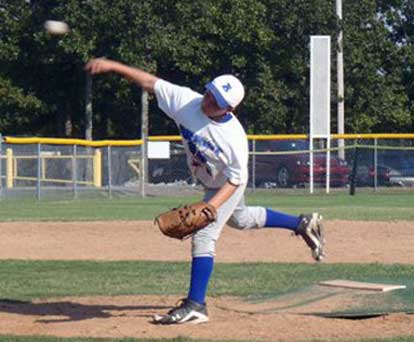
[203, 251]
[238, 222]
[203, 246]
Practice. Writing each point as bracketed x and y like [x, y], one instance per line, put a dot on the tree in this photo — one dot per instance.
[264, 42]
[374, 92]
[19, 108]
[398, 16]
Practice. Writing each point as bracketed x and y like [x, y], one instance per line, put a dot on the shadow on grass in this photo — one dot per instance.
[70, 311]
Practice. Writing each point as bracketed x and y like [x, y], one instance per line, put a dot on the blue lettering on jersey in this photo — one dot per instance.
[196, 153]
[197, 140]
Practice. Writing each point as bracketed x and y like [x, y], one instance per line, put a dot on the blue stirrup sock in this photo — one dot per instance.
[201, 269]
[276, 219]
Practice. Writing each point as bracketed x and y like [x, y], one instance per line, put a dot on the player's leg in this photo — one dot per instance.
[309, 227]
[193, 309]
[247, 217]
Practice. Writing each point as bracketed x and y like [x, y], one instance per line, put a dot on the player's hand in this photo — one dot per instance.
[99, 66]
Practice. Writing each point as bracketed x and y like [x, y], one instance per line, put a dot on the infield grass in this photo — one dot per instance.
[366, 206]
[26, 280]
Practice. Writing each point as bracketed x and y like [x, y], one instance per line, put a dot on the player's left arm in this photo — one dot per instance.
[223, 194]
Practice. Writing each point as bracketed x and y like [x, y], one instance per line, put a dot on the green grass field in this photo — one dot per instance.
[27, 280]
[24, 281]
[363, 206]
[34, 279]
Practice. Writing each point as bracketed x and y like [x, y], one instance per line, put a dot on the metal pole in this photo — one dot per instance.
[88, 121]
[39, 171]
[254, 165]
[144, 137]
[311, 165]
[340, 76]
[74, 172]
[88, 108]
[375, 164]
[328, 164]
[1, 170]
[109, 157]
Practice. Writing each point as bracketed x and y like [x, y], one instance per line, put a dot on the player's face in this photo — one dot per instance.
[210, 107]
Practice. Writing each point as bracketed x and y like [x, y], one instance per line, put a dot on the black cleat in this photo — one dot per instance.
[311, 230]
[187, 311]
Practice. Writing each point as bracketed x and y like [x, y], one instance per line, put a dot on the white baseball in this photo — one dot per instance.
[56, 27]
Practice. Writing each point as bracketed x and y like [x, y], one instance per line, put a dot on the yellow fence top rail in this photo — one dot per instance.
[65, 141]
[277, 136]
[374, 136]
[102, 143]
[333, 136]
[165, 138]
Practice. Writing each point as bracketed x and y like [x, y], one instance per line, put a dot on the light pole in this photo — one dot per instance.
[88, 127]
[88, 107]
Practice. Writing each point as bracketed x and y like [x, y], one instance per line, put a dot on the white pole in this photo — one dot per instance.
[1, 170]
[254, 165]
[74, 171]
[144, 137]
[39, 171]
[340, 77]
[109, 160]
[375, 164]
[311, 165]
[328, 164]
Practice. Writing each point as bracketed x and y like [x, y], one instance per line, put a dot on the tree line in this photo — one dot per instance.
[264, 42]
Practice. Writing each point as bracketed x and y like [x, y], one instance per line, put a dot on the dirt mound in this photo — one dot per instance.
[131, 316]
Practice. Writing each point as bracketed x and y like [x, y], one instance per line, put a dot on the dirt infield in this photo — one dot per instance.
[348, 242]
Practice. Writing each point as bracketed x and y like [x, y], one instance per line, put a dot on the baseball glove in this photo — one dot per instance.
[180, 223]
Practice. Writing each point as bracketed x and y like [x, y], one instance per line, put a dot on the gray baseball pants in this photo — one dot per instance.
[235, 213]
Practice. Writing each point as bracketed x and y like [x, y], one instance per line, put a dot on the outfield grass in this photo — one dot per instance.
[363, 206]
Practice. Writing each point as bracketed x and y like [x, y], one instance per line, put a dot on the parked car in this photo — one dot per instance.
[402, 164]
[365, 175]
[394, 167]
[292, 167]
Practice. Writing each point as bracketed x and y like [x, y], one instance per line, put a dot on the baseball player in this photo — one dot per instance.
[217, 153]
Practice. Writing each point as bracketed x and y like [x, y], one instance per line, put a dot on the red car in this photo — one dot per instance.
[291, 166]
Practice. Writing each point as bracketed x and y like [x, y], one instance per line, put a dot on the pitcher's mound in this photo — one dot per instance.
[230, 319]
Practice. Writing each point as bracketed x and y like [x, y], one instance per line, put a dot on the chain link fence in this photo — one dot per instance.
[42, 169]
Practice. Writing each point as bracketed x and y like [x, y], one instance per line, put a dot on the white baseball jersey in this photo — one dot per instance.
[216, 151]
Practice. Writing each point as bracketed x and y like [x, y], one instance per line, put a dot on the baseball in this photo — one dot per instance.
[56, 27]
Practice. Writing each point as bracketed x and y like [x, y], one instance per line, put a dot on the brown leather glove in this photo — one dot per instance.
[180, 223]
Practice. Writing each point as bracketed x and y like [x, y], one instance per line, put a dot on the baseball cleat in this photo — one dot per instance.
[187, 311]
[311, 230]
